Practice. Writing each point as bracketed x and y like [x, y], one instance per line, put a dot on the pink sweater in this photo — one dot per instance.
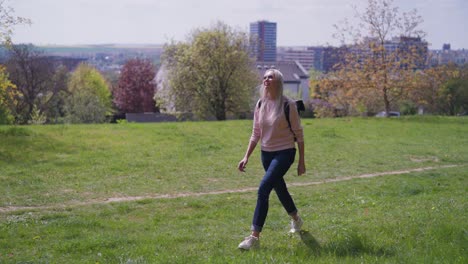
[276, 135]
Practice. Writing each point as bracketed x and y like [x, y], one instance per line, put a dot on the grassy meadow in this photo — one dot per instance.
[57, 181]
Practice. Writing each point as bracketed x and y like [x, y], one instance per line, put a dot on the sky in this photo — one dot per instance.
[299, 22]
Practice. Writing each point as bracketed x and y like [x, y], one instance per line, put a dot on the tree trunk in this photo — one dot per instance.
[221, 111]
[386, 102]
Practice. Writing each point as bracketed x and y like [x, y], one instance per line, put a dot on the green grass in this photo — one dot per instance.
[411, 218]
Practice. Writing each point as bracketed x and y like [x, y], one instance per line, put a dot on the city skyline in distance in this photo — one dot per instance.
[299, 22]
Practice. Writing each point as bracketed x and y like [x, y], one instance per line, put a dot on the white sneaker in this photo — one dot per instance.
[249, 242]
[296, 225]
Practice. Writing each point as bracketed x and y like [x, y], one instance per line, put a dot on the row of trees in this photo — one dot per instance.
[373, 77]
[35, 88]
[441, 90]
[211, 75]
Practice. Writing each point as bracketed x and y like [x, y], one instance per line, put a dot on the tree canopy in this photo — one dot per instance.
[89, 98]
[35, 77]
[211, 73]
[380, 62]
[136, 87]
[8, 93]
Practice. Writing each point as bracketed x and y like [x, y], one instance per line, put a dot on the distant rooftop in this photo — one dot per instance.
[292, 71]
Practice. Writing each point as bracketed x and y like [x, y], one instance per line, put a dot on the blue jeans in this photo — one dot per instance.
[276, 164]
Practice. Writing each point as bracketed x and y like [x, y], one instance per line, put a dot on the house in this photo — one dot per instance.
[163, 98]
[295, 77]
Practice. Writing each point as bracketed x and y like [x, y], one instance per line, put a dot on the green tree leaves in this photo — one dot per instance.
[211, 75]
[89, 99]
[454, 96]
[8, 93]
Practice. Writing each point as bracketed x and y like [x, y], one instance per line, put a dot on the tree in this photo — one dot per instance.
[136, 87]
[211, 74]
[442, 89]
[428, 84]
[453, 95]
[89, 99]
[8, 21]
[8, 93]
[55, 108]
[376, 72]
[34, 76]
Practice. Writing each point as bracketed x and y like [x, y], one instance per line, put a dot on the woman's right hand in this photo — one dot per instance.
[245, 160]
[243, 164]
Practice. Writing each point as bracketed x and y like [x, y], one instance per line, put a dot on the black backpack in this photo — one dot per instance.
[300, 107]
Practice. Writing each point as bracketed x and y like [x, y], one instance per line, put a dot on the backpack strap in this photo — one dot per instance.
[286, 114]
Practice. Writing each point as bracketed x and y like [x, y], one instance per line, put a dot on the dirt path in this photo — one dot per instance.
[192, 194]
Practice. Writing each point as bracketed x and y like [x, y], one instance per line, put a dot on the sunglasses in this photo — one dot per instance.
[269, 77]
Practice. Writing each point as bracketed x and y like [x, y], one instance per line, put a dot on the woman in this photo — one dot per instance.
[277, 152]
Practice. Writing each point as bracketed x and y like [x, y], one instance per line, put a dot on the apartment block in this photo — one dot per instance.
[309, 57]
[263, 40]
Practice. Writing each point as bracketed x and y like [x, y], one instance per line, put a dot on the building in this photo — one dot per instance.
[415, 46]
[333, 56]
[309, 57]
[447, 55]
[408, 51]
[68, 62]
[399, 49]
[295, 77]
[263, 40]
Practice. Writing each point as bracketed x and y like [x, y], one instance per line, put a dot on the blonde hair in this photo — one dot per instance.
[278, 108]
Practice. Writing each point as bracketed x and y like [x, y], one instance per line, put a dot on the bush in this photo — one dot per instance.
[322, 109]
[408, 108]
[37, 117]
